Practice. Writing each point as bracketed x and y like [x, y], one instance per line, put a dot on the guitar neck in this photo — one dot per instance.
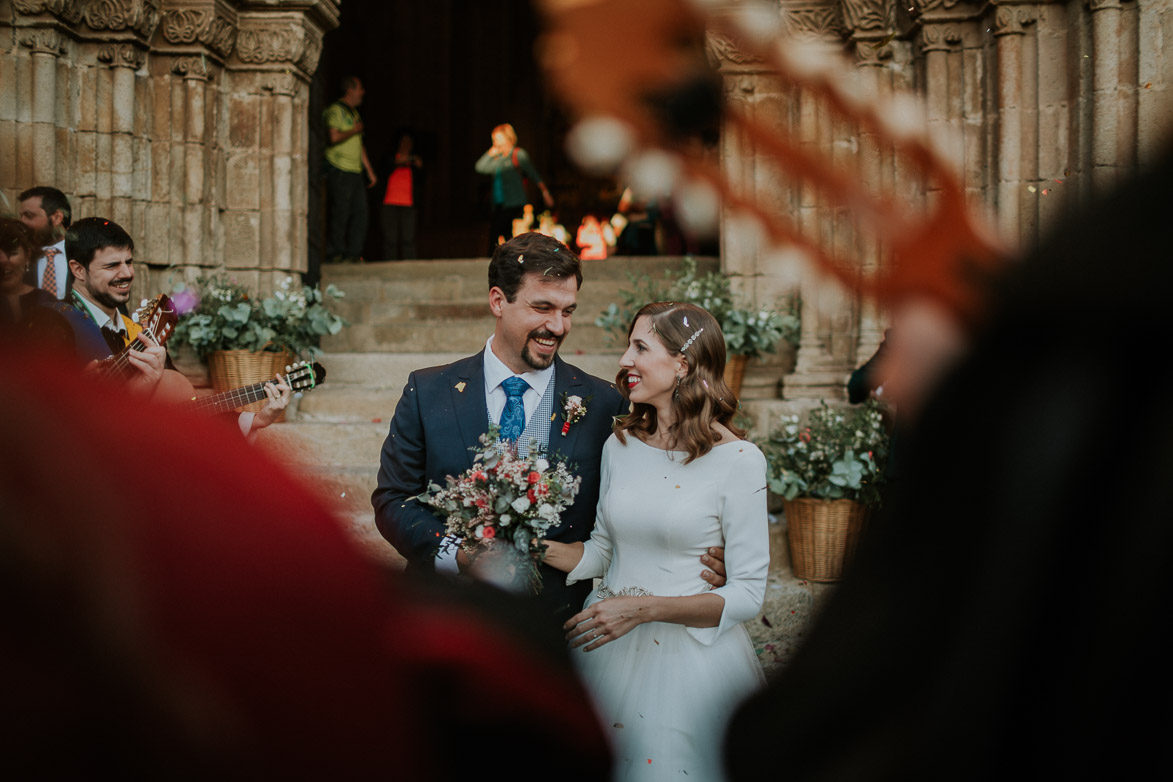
[229, 400]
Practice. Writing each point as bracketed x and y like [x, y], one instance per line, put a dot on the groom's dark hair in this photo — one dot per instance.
[531, 253]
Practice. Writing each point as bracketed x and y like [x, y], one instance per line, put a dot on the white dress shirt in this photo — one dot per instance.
[495, 397]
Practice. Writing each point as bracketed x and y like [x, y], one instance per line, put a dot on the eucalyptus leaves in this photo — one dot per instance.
[748, 332]
[222, 314]
[835, 453]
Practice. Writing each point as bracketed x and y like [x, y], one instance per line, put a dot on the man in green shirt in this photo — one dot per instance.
[346, 162]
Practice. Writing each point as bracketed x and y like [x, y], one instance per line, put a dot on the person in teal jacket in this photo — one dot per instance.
[510, 166]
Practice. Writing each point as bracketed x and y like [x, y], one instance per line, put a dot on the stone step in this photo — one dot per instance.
[350, 403]
[362, 387]
[442, 306]
[380, 369]
[326, 443]
[449, 336]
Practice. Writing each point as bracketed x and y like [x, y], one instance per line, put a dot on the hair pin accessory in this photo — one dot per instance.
[695, 334]
[686, 321]
[520, 258]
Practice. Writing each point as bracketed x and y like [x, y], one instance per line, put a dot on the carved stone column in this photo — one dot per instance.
[1113, 137]
[1013, 96]
[38, 142]
[194, 39]
[751, 91]
[873, 48]
[116, 164]
[267, 91]
[829, 334]
[110, 123]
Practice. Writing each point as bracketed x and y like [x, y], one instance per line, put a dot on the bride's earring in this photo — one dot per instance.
[676, 393]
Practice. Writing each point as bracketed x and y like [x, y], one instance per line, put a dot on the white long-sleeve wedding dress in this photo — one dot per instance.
[665, 691]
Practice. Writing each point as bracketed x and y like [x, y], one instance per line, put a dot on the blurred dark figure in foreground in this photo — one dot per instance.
[187, 609]
[1007, 614]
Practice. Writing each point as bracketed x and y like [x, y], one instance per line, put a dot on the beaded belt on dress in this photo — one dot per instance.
[605, 592]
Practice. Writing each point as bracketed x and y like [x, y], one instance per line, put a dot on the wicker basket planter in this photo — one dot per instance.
[231, 369]
[823, 534]
[735, 373]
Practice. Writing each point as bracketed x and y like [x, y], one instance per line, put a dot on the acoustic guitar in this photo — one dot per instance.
[300, 377]
[157, 319]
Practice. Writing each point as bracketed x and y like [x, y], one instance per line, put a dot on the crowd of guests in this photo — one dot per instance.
[519, 200]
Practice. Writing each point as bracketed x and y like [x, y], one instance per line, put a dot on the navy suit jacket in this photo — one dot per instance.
[441, 413]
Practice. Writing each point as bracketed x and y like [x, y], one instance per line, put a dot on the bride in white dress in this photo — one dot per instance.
[666, 657]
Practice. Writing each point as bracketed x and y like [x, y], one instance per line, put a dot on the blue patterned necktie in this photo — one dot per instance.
[513, 417]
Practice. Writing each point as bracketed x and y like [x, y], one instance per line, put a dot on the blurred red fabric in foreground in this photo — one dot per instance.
[180, 604]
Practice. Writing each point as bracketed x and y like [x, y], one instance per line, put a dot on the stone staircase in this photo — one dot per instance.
[408, 315]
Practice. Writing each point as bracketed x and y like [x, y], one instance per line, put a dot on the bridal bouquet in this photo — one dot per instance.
[505, 502]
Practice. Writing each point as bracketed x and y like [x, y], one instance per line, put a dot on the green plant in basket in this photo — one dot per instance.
[831, 454]
[748, 332]
[221, 314]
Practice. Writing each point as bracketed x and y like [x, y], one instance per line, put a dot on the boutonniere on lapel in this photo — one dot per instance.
[573, 410]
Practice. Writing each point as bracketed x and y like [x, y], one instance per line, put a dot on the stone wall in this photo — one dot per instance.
[183, 120]
[1044, 105]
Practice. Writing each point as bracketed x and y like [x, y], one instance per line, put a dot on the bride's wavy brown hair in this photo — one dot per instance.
[703, 397]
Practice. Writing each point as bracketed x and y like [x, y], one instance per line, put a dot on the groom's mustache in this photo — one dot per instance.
[544, 334]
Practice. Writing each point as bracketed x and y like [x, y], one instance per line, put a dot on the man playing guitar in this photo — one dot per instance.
[101, 263]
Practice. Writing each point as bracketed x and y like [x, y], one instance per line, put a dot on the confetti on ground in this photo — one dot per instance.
[1045, 191]
[376, 420]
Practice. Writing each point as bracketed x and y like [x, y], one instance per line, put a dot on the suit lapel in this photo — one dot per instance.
[568, 382]
[468, 401]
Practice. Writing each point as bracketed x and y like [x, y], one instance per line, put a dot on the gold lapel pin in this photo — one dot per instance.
[460, 386]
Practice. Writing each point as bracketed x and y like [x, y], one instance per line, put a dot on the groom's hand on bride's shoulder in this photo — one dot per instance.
[714, 560]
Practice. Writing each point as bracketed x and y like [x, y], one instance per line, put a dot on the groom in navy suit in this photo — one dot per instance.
[533, 290]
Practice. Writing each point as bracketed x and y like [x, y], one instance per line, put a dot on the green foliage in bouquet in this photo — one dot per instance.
[833, 454]
[748, 332]
[222, 314]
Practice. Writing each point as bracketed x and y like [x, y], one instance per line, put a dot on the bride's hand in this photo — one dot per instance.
[606, 620]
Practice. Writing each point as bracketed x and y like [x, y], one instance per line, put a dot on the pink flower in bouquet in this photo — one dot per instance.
[489, 533]
[534, 477]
